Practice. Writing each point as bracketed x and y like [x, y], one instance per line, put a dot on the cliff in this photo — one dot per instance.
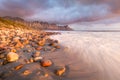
[38, 24]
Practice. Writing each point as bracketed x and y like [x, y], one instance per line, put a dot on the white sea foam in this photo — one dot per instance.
[99, 48]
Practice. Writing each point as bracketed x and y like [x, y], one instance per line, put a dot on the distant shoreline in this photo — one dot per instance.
[98, 30]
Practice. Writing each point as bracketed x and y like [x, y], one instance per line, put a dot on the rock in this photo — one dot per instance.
[53, 44]
[46, 74]
[46, 63]
[58, 47]
[38, 48]
[26, 72]
[13, 50]
[56, 41]
[30, 37]
[1, 62]
[28, 50]
[38, 73]
[19, 45]
[38, 58]
[28, 46]
[47, 48]
[27, 61]
[3, 38]
[16, 39]
[41, 43]
[2, 56]
[5, 62]
[11, 57]
[19, 67]
[60, 71]
[53, 49]
[2, 50]
[36, 54]
[31, 60]
[25, 42]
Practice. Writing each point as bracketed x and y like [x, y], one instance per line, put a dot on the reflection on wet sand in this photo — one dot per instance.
[92, 55]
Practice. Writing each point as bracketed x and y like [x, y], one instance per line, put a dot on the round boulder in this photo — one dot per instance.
[46, 63]
[11, 57]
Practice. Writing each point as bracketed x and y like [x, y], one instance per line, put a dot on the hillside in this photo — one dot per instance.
[6, 23]
[39, 25]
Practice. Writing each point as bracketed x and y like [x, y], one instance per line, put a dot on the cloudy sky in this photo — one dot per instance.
[61, 11]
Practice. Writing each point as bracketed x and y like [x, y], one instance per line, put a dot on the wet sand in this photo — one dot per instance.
[76, 68]
[97, 52]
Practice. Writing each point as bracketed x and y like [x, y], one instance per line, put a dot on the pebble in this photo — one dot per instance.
[41, 43]
[16, 39]
[37, 58]
[58, 47]
[31, 60]
[5, 62]
[2, 50]
[26, 72]
[36, 54]
[19, 67]
[38, 48]
[53, 49]
[13, 50]
[60, 71]
[56, 41]
[25, 42]
[47, 48]
[53, 44]
[2, 56]
[38, 73]
[19, 45]
[46, 74]
[27, 61]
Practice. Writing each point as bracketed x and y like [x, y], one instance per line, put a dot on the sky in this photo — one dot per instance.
[61, 11]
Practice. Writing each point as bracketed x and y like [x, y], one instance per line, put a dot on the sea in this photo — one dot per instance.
[101, 49]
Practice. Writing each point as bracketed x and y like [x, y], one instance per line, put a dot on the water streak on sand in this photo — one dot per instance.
[100, 50]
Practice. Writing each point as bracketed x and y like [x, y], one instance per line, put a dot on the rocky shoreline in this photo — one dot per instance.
[23, 54]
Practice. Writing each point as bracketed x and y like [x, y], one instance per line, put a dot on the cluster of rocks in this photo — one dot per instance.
[27, 46]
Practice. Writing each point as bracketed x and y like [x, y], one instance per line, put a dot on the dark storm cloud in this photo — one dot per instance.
[114, 5]
[60, 11]
[21, 8]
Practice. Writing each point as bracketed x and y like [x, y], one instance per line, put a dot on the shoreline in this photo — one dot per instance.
[60, 56]
[24, 55]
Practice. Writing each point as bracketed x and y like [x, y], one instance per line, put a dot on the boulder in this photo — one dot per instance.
[46, 63]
